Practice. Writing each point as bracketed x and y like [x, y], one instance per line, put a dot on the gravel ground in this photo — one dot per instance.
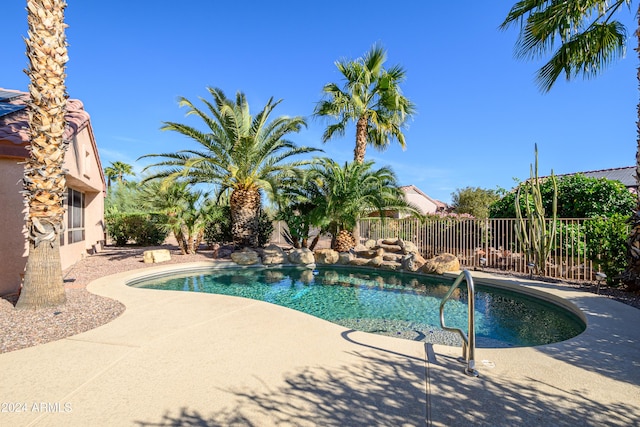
[84, 311]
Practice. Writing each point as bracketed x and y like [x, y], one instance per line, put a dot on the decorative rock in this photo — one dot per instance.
[245, 257]
[390, 248]
[395, 241]
[273, 254]
[409, 247]
[370, 244]
[391, 265]
[156, 256]
[413, 262]
[370, 253]
[327, 256]
[441, 263]
[345, 258]
[393, 257]
[302, 256]
[359, 261]
[375, 262]
[360, 247]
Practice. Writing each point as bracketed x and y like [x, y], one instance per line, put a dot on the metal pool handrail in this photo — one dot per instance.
[468, 342]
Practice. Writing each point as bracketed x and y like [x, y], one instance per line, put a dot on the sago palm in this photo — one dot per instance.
[240, 152]
[370, 97]
[44, 176]
[584, 38]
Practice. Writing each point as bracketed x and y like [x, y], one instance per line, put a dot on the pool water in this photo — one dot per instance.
[390, 303]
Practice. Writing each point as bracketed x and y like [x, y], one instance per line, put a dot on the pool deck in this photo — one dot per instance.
[179, 358]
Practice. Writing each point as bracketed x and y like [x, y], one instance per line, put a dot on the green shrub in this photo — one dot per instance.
[607, 244]
[218, 229]
[143, 229]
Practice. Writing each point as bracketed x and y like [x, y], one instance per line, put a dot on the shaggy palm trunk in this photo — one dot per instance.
[245, 209]
[631, 277]
[361, 140]
[44, 177]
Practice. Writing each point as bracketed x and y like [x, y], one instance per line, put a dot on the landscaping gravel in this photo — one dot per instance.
[84, 311]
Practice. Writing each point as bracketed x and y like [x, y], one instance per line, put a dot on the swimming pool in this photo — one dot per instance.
[389, 303]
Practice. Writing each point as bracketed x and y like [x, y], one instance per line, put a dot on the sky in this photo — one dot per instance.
[479, 110]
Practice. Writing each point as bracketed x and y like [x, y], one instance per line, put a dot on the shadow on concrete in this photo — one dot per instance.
[380, 391]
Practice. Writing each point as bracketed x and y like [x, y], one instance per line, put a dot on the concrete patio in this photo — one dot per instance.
[188, 359]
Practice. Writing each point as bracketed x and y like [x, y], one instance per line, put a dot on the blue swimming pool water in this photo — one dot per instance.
[389, 303]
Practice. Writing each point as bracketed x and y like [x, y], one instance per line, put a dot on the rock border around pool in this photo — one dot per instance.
[388, 254]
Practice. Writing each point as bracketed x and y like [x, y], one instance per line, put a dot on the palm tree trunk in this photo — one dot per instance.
[361, 140]
[631, 277]
[44, 176]
[245, 210]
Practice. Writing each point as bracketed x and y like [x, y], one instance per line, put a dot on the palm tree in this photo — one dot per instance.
[118, 170]
[343, 194]
[44, 176]
[186, 209]
[371, 97]
[589, 39]
[244, 153]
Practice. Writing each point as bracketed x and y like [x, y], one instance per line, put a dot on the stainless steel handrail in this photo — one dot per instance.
[468, 340]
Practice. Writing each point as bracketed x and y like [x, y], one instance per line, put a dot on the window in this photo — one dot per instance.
[75, 216]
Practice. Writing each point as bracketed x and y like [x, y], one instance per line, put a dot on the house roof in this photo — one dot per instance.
[14, 126]
[626, 175]
[412, 189]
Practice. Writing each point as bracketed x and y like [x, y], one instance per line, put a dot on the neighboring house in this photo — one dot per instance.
[426, 204]
[84, 218]
[626, 175]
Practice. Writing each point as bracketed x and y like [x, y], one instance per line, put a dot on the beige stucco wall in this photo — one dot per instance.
[84, 175]
[13, 247]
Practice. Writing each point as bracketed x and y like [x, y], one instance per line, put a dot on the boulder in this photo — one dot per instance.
[393, 257]
[409, 247]
[370, 244]
[360, 247]
[370, 253]
[345, 258]
[359, 261]
[301, 256]
[375, 262]
[326, 256]
[245, 256]
[440, 264]
[394, 241]
[390, 248]
[391, 265]
[273, 254]
[155, 256]
[412, 262]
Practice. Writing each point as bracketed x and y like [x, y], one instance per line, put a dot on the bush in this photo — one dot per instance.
[607, 244]
[578, 197]
[144, 229]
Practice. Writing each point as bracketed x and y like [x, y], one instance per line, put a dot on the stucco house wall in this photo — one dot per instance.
[85, 182]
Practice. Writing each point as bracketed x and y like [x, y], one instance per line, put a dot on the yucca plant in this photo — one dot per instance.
[44, 176]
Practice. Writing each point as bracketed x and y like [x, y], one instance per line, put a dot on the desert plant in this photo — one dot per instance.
[535, 236]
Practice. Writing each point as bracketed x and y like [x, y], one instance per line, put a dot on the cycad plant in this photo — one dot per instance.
[247, 154]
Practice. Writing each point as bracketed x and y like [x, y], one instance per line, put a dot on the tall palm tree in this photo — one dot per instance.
[244, 153]
[343, 194]
[588, 39]
[118, 170]
[44, 176]
[371, 97]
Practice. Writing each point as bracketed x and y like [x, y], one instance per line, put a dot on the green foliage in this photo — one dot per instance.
[298, 221]
[606, 244]
[578, 197]
[123, 198]
[536, 239]
[474, 201]
[144, 229]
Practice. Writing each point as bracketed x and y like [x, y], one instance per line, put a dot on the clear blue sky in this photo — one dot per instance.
[479, 109]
